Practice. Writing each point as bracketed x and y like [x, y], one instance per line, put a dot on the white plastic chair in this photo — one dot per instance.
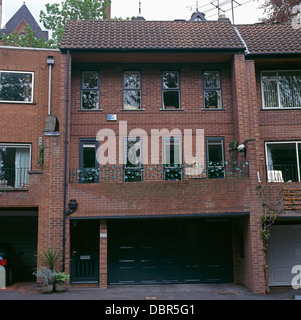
[275, 176]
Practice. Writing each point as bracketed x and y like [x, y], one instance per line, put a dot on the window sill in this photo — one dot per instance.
[98, 110]
[13, 189]
[131, 110]
[213, 109]
[171, 109]
[279, 109]
[18, 102]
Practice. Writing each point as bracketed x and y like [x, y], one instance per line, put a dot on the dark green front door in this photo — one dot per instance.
[169, 251]
[84, 262]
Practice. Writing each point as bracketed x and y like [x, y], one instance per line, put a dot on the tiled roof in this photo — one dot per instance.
[271, 38]
[149, 35]
[23, 13]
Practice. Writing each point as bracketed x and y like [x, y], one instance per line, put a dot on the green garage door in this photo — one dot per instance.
[169, 251]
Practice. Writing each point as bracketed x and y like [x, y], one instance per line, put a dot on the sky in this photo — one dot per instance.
[245, 11]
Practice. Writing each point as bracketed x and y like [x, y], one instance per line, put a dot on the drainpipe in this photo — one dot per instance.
[50, 62]
[65, 165]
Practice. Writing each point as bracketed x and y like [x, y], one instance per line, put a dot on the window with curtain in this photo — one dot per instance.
[281, 89]
[131, 90]
[14, 165]
[132, 159]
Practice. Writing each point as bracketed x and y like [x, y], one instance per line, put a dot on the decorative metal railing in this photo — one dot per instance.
[13, 177]
[158, 172]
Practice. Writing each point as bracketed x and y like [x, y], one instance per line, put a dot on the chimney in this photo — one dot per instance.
[0, 14]
[107, 11]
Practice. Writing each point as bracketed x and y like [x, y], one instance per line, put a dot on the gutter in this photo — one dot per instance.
[65, 163]
[154, 50]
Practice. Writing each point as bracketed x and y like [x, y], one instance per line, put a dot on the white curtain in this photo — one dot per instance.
[22, 165]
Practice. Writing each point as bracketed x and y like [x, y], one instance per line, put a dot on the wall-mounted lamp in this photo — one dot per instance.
[72, 205]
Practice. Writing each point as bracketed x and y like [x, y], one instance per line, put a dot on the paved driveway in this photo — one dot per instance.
[31, 291]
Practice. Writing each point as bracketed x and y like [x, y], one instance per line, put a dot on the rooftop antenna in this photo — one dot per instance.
[139, 8]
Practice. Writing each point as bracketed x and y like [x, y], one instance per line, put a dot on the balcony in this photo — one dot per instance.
[119, 173]
[13, 178]
[283, 173]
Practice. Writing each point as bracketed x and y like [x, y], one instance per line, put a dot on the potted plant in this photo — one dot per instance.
[50, 258]
[48, 278]
[60, 283]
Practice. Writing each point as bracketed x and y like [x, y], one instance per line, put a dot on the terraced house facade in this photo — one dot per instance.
[167, 143]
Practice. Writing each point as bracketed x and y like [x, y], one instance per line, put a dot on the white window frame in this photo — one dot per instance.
[297, 142]
[278, 95]
[32, 86]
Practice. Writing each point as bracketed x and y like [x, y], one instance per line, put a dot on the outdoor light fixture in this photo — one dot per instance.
[72, 205]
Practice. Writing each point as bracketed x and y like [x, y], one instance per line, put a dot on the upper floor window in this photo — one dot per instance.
[212, 90]
[283, 161]
[16, 86]
[281, 89]
[90, 90]
[131, 90]
[171, 90]
[14, 165]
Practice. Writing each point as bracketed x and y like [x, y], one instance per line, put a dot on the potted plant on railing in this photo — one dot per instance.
[60, 283]
[48, 278]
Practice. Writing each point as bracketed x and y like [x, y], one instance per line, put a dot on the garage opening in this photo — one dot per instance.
[284, 252]
[155, 251]
[19, 228]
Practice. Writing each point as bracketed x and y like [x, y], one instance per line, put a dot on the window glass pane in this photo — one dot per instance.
[131, 99]
[170, 80]
[132, 80]
[90, 100]
[89, 156]
[270, 94]
[16, 86]
[270, 75]
[90, 80]
[283, 157]
[171, 100]
[215, 155]
[133, 153]
[213, 99]
[211, 79]
[172, 152]
[290, 89]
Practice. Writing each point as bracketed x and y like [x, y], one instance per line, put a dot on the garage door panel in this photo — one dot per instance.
[284, 251]
[170, 251]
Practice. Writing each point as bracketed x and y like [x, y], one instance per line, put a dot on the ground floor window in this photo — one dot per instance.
[172, 158]
[215, 158]
[14, 165]
[133, 159]
[283, 161]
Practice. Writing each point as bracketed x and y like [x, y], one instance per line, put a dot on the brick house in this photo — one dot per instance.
[18, 22]
[147, 112]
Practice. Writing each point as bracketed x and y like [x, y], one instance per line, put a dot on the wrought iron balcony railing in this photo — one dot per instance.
[118, 173]
[13, 177]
